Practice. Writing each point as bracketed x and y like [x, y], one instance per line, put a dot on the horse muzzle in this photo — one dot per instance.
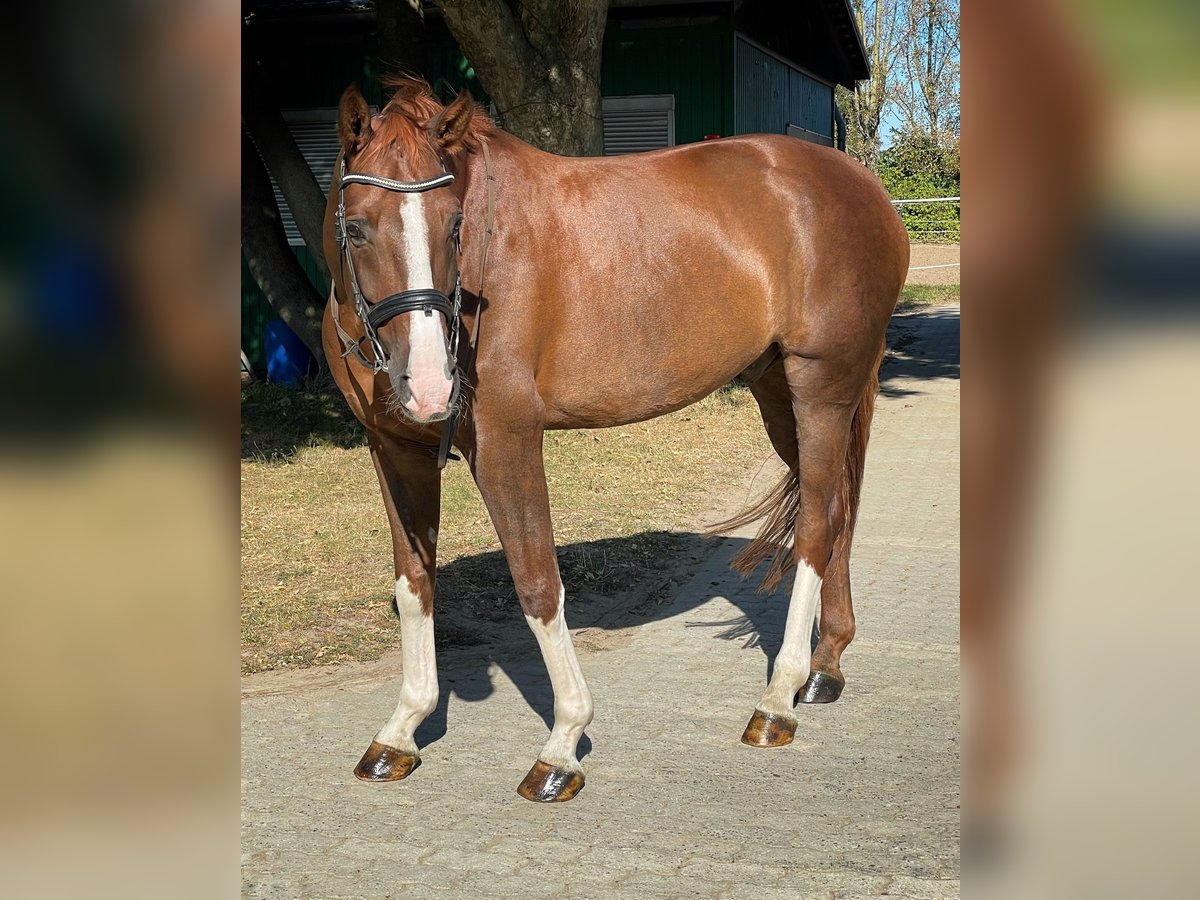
[425, 398]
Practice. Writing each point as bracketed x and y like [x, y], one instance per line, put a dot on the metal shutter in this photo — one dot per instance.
[636, 124]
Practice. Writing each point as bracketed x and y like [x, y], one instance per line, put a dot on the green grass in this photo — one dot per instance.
[917, 295]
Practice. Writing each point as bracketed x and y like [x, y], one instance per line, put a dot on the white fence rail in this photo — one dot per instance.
[929, 227]
[928, 200]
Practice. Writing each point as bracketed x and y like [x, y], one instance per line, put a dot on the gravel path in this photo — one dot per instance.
[864, 803]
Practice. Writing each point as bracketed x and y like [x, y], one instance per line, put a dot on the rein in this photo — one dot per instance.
[372, 317]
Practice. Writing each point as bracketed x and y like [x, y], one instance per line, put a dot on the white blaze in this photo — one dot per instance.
[419, 690]
[795, 656]
[427, 361]
[572, 699]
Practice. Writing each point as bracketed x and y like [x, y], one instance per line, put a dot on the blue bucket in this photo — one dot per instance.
[288, 360]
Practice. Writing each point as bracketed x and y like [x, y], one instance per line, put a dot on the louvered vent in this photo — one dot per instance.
[636, 124]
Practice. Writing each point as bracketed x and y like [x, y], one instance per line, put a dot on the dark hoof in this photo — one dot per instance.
[821, 688]
[549, 784]
[384, 763]
[769, 730]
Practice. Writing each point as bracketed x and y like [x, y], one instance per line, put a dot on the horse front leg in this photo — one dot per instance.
[509, 470]
[411, 487]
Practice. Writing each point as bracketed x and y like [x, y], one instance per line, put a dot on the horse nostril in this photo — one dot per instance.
[402, 388]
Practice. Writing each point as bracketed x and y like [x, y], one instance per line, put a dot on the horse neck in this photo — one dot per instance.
[470, 172]
[515, 165]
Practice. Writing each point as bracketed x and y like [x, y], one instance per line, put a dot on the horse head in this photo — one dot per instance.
[398, 235]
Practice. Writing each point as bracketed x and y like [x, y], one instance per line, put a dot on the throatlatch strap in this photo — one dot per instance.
[489, 223]
[444, 451]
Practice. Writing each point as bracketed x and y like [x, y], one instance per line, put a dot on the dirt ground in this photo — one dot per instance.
[943, 255]
[865, 803]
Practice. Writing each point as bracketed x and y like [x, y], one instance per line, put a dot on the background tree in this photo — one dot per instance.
[927, 95]
[913, 58]
[400, 30]
[920, 165]
[883, 26]
[267, 144]
[540, 62]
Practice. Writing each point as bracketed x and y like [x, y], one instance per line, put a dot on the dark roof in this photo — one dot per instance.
[818, 35]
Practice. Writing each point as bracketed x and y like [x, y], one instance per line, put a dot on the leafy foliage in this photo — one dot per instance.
[918, 165]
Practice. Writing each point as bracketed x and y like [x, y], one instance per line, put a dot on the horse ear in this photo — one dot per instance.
[449, 128]
[354, 119]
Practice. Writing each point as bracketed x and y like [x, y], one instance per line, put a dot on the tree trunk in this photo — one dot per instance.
[271, 261]
[304, 197]
[541, 66]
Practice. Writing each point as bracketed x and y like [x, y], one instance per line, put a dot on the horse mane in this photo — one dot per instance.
[403, 122]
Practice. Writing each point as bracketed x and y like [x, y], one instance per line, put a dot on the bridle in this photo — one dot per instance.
[372, 317]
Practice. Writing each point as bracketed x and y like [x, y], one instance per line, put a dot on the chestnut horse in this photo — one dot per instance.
[485, 291]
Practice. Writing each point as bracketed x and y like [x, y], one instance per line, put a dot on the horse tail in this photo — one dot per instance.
[779, 507]
[856, 452]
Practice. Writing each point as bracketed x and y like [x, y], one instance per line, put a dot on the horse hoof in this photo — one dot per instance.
[821, 688]
[550, 784]
[384, 763]
[769, 730]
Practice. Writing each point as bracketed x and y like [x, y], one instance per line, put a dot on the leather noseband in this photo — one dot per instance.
[426, 299]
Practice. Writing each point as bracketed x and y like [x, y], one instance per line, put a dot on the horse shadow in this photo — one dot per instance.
[644, 595]
[921, 345]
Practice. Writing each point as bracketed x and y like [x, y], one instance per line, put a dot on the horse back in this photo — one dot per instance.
[668, 273]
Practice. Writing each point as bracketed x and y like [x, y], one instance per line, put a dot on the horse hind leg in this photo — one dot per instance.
[825, 682]
[774, 398]
[835, 608]
[823, 432]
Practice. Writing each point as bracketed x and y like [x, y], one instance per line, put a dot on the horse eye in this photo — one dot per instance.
[354, 231]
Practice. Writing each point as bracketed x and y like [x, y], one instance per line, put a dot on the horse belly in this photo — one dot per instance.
[604, 389]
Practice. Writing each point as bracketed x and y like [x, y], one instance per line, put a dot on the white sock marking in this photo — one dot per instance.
[419, 689]
[794, 661]
[572, 700]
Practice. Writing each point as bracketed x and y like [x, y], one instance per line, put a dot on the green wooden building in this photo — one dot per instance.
[673, 73]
